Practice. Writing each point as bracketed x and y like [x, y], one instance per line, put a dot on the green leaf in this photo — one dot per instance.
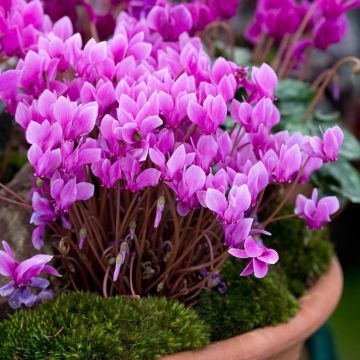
[229, 123]
[347, 179]
[351, 147]
[293, 99]
[242, 56]
[292, 114]
[294, 90]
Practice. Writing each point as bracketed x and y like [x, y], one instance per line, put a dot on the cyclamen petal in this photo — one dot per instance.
[215, 201]
[265, 79]
[260, 268]
[239, 253]
[176, 161]
[194, 178]
[149, 177]
[85, 119]
[269, 256]
[252, 249]
[84, 191]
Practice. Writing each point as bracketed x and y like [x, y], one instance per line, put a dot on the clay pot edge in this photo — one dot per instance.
[317, 305]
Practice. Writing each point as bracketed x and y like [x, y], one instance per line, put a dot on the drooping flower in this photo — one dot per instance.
[25, 287]
[260, 256]
[316, 212]
[326, 148]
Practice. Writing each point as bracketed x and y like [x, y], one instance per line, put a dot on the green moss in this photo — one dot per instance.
[87, 326]
[304, 254]
[249, 303]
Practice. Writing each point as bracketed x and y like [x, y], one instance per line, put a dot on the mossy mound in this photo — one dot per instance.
[251, 303]
[87, 326]
[304, 254]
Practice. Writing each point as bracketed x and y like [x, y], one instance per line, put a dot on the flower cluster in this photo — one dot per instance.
[148, 108]
[324, 20]
[25, 287]
[21, 24]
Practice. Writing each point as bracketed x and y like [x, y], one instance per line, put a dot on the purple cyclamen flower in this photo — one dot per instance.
[256, 178]
[330, 31]
[332, 9]
[236, 234]
[326, 148]
[210, 115]
[260, 255]
[170, 21]
[230, 210]
[193, 181]
[224, 9]
[265, 79]
[66, 193]
[264, 112]
[25, 287]
[282, 167]
[316, 212]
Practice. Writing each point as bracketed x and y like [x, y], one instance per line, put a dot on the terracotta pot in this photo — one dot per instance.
[285, 341]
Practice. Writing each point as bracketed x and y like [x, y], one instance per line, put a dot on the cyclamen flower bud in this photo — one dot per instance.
[120, 258]
[159, 210]
[82, 237]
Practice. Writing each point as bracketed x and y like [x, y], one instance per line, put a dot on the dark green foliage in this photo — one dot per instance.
[304, 254]
[251, 303]
[87, 326]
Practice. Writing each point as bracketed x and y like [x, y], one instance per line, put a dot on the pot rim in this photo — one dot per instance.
[316, 306]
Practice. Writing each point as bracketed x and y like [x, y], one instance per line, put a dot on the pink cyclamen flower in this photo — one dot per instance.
[316, 212]
[224, 9]
[264, 112]
[210, 115]
[326, 148]
[25, 287]
[260, 256]
[332, 9]
[231, 210]
[170, 21]
[330, 31]
[66, 193]
[265, 79]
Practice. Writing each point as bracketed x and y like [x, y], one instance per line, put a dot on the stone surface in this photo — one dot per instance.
[14, 221]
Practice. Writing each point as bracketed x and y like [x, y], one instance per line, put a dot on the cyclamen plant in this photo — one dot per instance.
[137, 181]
